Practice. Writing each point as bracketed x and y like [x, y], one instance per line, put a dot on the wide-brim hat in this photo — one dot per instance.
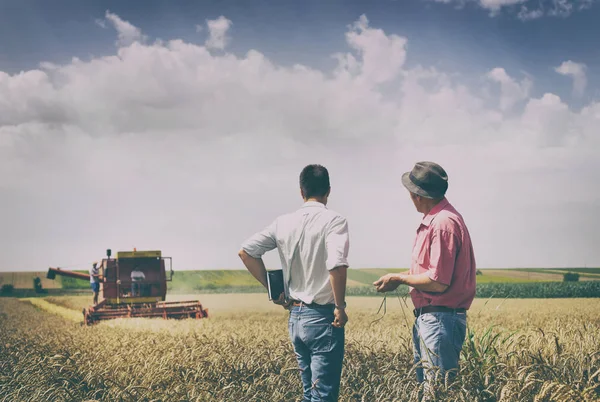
[427, 179]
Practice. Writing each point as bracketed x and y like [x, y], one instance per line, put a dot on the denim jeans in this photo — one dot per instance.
[319, 348]
[437, 342]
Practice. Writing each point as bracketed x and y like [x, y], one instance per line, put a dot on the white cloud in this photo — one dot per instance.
[218, 28]
[577, 71]
[380, 56]
[554, 8]
[547, 121]
[495, 5]
[169, 146]
[528, 15]
[561, 8]
[127, 33]
[511, 91]
[585, 4]
[100, 23]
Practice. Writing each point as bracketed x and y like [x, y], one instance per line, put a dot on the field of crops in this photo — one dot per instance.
[241, 281]
[195, 280]
[591, 273]
[24, 280]
[513, 290]
[517, 350]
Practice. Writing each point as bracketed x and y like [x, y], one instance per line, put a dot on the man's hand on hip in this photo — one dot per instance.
[339, 318]
[283, 302]
[388, 282]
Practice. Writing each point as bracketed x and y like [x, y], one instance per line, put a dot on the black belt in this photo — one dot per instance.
[437, 309]
[299, 303]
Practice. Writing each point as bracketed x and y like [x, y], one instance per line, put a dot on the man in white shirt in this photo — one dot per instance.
[313, 245]
[95, 281]
[137, 277]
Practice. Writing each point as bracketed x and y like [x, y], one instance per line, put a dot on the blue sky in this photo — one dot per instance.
[465, 40]
[192, 145]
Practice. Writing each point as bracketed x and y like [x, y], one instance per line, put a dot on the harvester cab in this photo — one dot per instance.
[134, 285]
[134, 277]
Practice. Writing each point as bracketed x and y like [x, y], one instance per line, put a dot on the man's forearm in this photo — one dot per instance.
[422, 282]
[255, 266]
[337, 277]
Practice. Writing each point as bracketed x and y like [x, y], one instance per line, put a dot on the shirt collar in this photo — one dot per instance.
[313, 204]
[426, 221]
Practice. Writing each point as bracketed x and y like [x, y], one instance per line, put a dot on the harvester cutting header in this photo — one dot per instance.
[132, 285]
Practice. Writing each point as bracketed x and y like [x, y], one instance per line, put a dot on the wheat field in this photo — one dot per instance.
[516, 350]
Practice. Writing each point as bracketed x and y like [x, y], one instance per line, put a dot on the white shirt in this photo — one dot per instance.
[137, 276]
[94, 271]
[323, 247]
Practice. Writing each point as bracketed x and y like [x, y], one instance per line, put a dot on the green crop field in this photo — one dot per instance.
[502, 279]
[580, 270]
[199, 280]
[242, 281]
[364, 276]
[584, 270]
[593, 273]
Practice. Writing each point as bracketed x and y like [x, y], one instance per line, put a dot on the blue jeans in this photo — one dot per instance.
[437, 342]
[138, 289]
[319, 348]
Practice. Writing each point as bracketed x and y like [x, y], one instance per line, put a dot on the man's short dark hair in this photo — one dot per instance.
[314, 181]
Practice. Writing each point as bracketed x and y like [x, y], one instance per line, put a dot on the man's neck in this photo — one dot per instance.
[316, 199]
[430, 206]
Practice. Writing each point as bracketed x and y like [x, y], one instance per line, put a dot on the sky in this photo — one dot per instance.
[183, 126]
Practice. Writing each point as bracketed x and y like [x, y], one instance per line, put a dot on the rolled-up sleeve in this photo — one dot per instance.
[261, 242]
[442, 257]
[337, 243]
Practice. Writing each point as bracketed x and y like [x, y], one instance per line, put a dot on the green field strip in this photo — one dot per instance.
[362, 276]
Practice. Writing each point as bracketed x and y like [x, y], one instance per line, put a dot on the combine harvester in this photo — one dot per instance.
[120, 297]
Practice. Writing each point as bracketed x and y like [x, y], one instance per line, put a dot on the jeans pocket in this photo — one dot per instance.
[430, 329]
[319, 337]
[430, 320]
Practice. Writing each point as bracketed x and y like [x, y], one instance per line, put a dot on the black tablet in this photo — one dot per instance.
[275, 283]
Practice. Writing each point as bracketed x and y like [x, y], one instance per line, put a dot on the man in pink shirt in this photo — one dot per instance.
[441, 277]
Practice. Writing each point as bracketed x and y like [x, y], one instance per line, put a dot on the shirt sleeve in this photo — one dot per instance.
[261, 242]
[337, 243]
[442, 256]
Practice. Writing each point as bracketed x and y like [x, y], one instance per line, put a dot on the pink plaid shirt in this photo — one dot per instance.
[443, 249]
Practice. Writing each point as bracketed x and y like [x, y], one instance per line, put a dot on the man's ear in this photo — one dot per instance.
[328, 192]
[302, 193]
